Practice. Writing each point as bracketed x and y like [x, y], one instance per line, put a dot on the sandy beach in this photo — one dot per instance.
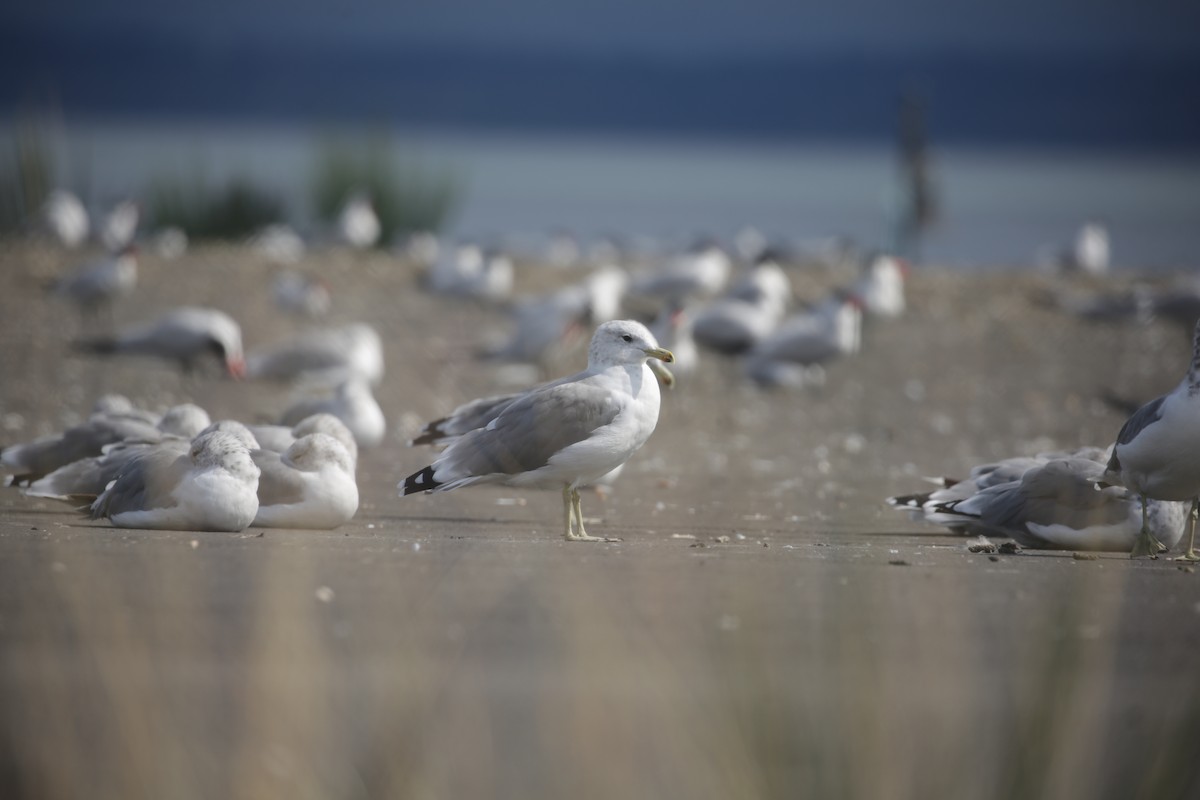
[766, 626]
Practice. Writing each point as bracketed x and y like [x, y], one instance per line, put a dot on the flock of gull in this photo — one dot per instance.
[181, 470]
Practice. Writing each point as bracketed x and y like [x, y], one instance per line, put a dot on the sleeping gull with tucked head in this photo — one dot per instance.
[211, 487]
[567, 433]
[1157, 455]
[311, 485]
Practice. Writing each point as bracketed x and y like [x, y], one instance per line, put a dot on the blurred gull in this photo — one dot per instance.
[65, 218]
[541, 326]
[881, 289]
[672, 328]
[357, 223]
[750, 243]
[299, 294]
[701, 272]
[806, 340]
[119, 227]
[329, 355]
[98, 284]
[184, 335]
[565, 434]
[1091, 251]
[279, 243]
[87, 439]
[422, 247]
[170, 243]
[545, 323]
[470, 271]
[88, 477]
[1157, 455]
[604, 288]
[352, 403]
[747, 314]
[211, 487]
[311, 485]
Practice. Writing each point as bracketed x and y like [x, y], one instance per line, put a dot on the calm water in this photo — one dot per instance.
[996, 207]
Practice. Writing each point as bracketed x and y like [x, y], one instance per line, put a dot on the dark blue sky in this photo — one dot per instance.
[1102, 72]
[691, 27]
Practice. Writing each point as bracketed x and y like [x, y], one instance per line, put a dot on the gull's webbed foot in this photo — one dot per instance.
[1146, 546]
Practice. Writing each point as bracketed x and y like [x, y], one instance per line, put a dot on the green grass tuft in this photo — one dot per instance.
[408, 195]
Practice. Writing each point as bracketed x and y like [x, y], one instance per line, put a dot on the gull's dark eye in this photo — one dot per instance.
[627, 337]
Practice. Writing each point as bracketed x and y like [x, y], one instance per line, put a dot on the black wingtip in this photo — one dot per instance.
[952, 508]
[422, 481]
[909, 501]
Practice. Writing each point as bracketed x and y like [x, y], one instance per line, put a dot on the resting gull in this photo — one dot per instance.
[211, 487]
[931, 506]
[33, 460]
[311, 485]
[749, 313]
[1055, 506]
[1157, 455]
[184, 334]
[564, 434]
[280, 437]
[88, 476]
[353, 403]
[327, 354]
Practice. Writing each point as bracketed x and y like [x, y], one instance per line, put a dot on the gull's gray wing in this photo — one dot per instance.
[85, 440]
[1061, 492]
[1010, 469]
[146, 483]
[530, 430]
[1143, 418]
[467, 417]
[88, 477]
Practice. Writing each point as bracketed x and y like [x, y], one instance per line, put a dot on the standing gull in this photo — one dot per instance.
[1157, 455]
[565, 434]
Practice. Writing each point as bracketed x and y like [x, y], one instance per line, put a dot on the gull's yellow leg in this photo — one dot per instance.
[567, 512]
[576, 510]
[1145, 544]
[1190, 554]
